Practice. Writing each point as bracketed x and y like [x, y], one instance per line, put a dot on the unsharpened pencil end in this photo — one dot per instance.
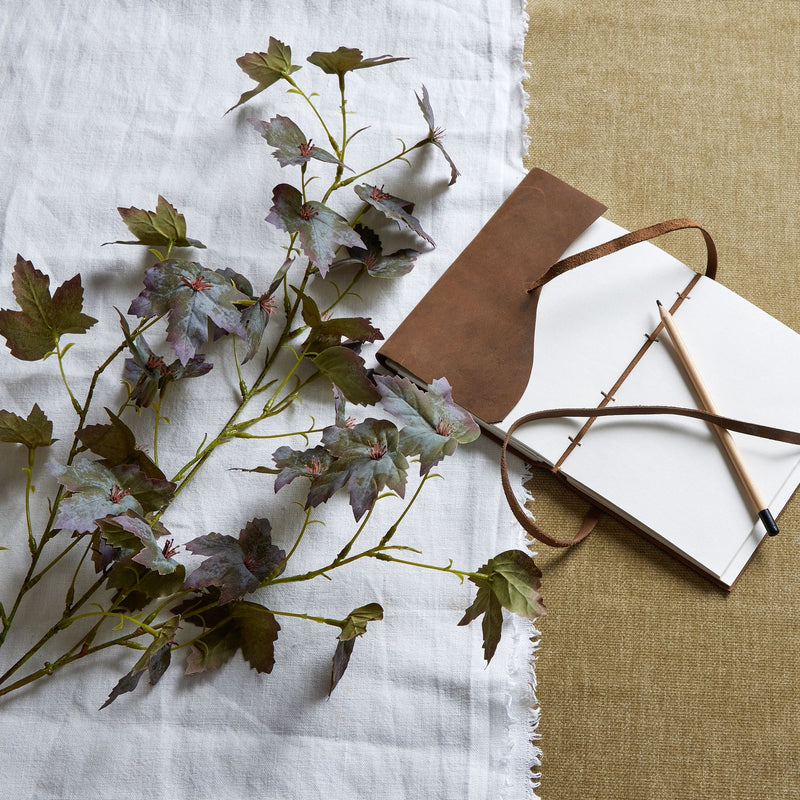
[769, 521]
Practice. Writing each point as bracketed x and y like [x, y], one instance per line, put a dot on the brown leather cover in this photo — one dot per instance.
[476, 325]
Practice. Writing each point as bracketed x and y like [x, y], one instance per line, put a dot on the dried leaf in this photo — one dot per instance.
[33, 332]
[393, 207]
[265, 68]
[345, 59]
[192, 297]
[160, 228]
[435, 424]
[320, 229]
[35, 431]
[236, 567]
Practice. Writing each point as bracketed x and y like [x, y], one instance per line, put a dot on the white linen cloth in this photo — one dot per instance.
[109, 104]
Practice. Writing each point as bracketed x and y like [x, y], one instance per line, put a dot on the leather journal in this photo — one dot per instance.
[547, 328]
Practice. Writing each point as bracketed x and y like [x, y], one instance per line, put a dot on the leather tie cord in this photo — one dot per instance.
[613, 246]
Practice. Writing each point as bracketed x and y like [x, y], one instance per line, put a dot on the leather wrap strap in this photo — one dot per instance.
[613, 246]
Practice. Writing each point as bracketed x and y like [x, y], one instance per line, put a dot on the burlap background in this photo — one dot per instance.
[653, 683]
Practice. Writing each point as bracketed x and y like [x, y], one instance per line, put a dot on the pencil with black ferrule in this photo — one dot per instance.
[725, 437]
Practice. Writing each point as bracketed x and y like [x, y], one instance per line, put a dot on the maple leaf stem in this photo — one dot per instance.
[39, 575]
[336, 623]
[358, 276]
[401, 155]
[60, 625]
[75, 404]
[28, 491]
[383, 556]
[310, 102]
[67, 658]
[242, 384]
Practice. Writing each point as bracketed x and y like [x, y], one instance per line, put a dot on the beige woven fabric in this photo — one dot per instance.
[653, 683]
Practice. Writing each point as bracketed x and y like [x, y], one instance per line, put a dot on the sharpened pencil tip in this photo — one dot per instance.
[658, 302]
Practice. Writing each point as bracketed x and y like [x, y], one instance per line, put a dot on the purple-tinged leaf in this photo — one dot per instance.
[320, 229]
[213, 649]
[510, 580]
[33, 331]
[151, 555]
[258, 631]
[340, 409]
[265, 68]
[393, 207]
[435, 425]
[116, 445]
[330, 332]
[355, 624]
[372, 258]
[367, 461]
[435, 134]
[160, 228]
[236, 567]
[35, 431]
[346, 369]
[95, 492]
[300, 464]
[192, 297]
[147, 374]
[345, 59]
[154, 660]
[292, 147]
[255, 319]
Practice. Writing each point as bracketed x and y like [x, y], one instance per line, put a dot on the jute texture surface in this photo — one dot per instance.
[654, 683]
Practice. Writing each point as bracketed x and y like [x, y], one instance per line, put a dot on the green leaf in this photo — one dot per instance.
[32, 332]
[435, 424]
[154, 660]
[320, 229]
[346, 369]
[355, 624]
[510, 580]
[265, 68]
[345, 59]
[160, 228]
[393, 207]
[35, 431]
[192, 297]
[292, 146]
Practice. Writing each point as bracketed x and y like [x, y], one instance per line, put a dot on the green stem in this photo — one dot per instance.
[242, 384]
[336, 623]
[60, 625]
[39, 575]
[402, 154]
[75, 404]
[308, 100]
[157, 409]
[28, 491]
[383, 556]
[48, 532]
[121, 617]
[68, 658]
